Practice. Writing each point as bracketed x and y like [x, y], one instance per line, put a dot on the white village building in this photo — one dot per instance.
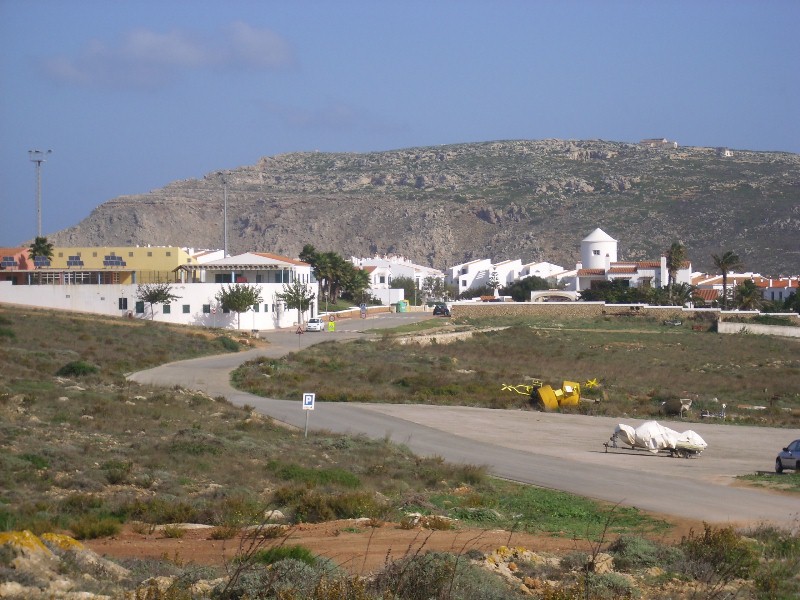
[196, 286]
[383, 269]
[599, 263]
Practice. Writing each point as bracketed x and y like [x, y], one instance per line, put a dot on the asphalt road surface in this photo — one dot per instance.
[557, 451]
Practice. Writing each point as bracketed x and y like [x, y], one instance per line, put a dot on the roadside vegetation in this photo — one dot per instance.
[639, 363]
[87, 453]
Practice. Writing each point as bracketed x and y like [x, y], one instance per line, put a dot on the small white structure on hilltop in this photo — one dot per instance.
[383, 269]
[599, 263]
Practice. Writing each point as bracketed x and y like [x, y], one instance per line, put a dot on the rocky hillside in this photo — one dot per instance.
[533, 200]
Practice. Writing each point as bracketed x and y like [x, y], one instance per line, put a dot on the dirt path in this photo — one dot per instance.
[352, 544]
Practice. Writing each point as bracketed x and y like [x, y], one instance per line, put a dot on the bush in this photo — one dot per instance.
[278, 553]
[439, 575]
[89, 527]
[227, 343]
[631, 553]
[76, 368]
[721, 552]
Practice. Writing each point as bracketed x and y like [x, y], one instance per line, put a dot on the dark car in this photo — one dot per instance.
[441, 309]
[789, 458]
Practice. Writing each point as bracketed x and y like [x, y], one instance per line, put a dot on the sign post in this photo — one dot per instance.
[308, 405]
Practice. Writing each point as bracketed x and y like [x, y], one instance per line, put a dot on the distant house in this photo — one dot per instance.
[599, 264]
[383, 269]
[98, 282]
[658, 143]
[709, 287]
[545, 270]
[778, 290]
[473, 274]
[724, 152]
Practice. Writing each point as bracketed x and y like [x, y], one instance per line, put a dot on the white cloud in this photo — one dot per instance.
[144, 58]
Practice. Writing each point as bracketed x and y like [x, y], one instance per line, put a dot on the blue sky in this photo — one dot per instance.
[131, 95]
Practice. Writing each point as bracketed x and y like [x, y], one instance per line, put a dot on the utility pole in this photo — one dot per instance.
[38, 157]
[224, 178]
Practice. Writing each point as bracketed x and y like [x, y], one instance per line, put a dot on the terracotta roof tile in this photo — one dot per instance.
[583, 272]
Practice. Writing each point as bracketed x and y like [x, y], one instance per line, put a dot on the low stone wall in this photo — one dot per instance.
[558, 310]
[757, 329]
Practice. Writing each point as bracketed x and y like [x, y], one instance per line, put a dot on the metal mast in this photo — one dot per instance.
[38, 157]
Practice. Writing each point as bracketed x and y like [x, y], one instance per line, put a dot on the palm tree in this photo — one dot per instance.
[727, 262]
[749, 296]
[41, 248]
[676, 255]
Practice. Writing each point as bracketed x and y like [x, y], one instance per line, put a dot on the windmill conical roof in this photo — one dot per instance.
[598, 235]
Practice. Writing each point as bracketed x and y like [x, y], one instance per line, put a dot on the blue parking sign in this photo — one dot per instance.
[308, 401]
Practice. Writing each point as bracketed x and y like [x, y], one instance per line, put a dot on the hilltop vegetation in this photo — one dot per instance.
[440, 206]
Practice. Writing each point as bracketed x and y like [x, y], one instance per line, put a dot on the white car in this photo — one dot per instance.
[315, 325]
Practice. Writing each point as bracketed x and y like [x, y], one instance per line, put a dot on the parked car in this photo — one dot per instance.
[315, 325]
[789, 458]
[441, 309]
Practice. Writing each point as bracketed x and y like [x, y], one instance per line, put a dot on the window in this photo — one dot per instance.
[130, 254]
[255, 307]
[266, 308]
[60, 255]
[186, 309]
[94, 254]
[463, 283]
[140, 307]
[382, 279]
[167, 309]
[206, 309]
[596, 252]
[123, 304]
[169, 253]
[149, 253]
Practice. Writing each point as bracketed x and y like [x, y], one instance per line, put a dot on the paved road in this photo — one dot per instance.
[551, 450]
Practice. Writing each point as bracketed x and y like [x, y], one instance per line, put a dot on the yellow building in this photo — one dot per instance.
[124, 264]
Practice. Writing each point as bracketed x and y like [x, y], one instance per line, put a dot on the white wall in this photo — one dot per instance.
[104, 300]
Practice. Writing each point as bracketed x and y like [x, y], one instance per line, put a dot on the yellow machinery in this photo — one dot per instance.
[569, 394]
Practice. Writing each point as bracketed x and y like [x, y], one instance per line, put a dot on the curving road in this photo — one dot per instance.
[557, 451]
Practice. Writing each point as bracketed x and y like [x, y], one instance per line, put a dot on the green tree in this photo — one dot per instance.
[238, 298]
[521, 290]
[617, 291]
[354, 283]
[41, 248]
[155, 293]
[792, 302]
[494, 282]
[676, 255]
[434, 288]
[748, 296]
[297, 295]
[725, 263]
[409, 287]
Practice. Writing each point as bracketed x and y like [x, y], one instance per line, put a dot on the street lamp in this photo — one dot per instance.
[38, 156]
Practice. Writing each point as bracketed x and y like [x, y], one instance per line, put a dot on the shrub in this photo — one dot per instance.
[631, 553]
[89, 527]
[173, 531]
[300, 474]
[76, 368]
[719, 551]
[227, 343]
[439, 575]
[279, 553]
